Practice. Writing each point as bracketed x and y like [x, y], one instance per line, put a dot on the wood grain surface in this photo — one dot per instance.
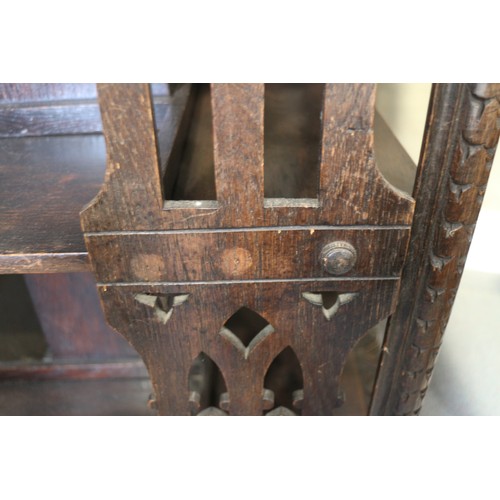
[174, 275]
[42, 109]
[44, 182]
[321, 345]
[134, 172]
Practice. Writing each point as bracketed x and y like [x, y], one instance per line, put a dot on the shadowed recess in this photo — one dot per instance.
[292, 139]
[330, 302]
[21, 336]
[207, 388]
[358, 377]
[162, 304]
[246, 325]
[190, 171]
[284, 379]
[292, 144]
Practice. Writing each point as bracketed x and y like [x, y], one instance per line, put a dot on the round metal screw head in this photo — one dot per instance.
[338, 257]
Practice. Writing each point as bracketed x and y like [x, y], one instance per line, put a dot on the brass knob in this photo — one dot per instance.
[338, 257]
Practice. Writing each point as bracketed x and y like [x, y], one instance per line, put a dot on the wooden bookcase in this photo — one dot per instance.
[213, 223]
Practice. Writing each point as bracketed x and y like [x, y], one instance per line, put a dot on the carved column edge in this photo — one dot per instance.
[462, 132]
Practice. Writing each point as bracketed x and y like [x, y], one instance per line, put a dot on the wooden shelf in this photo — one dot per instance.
[44, 183]
[76, 397]
[127, 396]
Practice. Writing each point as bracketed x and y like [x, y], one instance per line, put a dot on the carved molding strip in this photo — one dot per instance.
[470, 151]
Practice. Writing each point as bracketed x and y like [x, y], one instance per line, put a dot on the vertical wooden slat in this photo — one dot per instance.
[238, 117]
[348, 116]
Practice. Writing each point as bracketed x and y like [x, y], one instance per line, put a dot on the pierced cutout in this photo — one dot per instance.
[162, 304]
[398, 131]
[245, 329]
[190, 173]
[207, 388]
[329, 302]
[284, 379]
[281, 411]
[292, 140]
[358, 376]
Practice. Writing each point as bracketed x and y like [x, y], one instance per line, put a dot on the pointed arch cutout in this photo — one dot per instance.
[284, 378]
[207, 387]
[245, 329]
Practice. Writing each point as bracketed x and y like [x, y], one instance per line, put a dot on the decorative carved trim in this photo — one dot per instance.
[246, 350]
[240, 339]
[194, 328]
[330, 302]
[429, 288]
[162, 304]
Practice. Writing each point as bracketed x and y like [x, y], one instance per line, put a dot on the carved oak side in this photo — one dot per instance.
[170, 275]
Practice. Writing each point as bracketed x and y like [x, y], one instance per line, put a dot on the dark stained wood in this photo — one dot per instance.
[126, 396]
[56, 108]
[50, 119]
[128, 104]
[239, 134]
[172, 294]
[47, 262]
[283, 243]
[64, 118]
[75, 397]
[20, 93]
[175, 271]
[350, 183]
[133, 178]
[44, 182]
[72, 321]
[21, 337]
[195, 327]
[463, 128]
[292, 139]
[278, 253]
[72, 371]
[61, 333]
[46, 237]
